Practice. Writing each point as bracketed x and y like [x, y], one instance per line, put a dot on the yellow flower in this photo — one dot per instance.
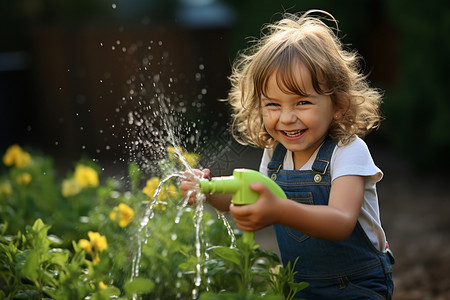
[5, 188]
[173, 151]
[160, 206]
[15, 155]
[23, 178]
[192, 159]
[11, 153]
[96, 244]
[113, 214]
[23, 160]
[126, 214]
[102, 285]
[85, 245]
[86, 176]
[70, 187]
[162, 193]
[172, 191]
[95, 259]
[151, 186]
[98, 241]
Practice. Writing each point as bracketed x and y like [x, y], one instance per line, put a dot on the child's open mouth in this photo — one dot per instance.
[294, 133]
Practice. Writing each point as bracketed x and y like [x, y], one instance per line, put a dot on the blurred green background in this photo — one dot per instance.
[64, 65]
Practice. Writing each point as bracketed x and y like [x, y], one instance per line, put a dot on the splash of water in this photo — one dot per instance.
[144, 233]
[156, 117]
[221, 216]
[198, 217]
[148, 214]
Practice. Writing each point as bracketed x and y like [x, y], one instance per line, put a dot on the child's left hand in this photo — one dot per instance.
[262, 213]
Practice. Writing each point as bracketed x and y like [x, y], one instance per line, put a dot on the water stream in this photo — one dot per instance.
[156, 118]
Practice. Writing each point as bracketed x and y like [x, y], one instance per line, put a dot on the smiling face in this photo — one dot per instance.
[299, 122]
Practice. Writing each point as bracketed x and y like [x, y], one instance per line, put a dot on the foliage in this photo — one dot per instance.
[417, 108]
[254, 267]
[32, 268]
[84, 239]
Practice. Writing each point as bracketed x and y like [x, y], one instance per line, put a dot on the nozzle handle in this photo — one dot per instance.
[239, 186]
[221, 185]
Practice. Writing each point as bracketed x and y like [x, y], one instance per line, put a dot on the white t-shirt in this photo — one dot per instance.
[351, 159]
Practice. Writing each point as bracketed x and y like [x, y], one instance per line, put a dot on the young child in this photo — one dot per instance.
[300, 95]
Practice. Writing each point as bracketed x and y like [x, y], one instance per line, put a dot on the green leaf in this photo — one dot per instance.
[232, 255]
[298, 286]
[55, 240]
[26, 291]
[39, 233]
[135, 175]
[58, 256]
[3, 227]
[110, 292]
[223, 296]
[39, 226]
[139, 286]
[31, 266]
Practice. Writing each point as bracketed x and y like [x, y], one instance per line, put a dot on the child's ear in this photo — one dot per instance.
[340, 109]
[338, 113]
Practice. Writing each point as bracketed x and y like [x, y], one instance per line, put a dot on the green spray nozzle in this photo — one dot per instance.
[239, 186]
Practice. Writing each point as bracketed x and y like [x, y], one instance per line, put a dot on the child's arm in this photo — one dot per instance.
[190, 179]
[334, 221]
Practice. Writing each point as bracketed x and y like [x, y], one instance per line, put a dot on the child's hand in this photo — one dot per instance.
[262, 213]
[189, 182]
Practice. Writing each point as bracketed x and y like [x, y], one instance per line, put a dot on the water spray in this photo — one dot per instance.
[239, 186]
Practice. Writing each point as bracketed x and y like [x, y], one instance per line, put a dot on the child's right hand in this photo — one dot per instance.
[190, 180]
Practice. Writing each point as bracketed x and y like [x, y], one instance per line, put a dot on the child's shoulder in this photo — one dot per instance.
[355, 152]
[357, 144]
[355, 158]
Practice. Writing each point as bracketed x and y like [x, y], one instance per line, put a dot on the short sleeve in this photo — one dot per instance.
[354, 159]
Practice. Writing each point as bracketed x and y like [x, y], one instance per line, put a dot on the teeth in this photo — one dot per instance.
[293, 133]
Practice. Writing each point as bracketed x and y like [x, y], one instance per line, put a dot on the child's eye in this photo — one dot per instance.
[303, 102]
[271, 104]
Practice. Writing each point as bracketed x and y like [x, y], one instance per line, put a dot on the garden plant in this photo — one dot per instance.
[88, 237]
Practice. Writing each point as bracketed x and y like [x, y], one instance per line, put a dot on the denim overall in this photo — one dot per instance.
[350, 269]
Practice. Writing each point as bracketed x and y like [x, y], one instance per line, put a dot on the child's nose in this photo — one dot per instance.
[287, 116]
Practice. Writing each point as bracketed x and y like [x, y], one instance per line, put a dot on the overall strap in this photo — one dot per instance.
[323, 158]
[278, 157]
[320, 165]
[276, 163]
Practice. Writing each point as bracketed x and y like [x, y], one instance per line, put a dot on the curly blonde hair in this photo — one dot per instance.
[335, 72]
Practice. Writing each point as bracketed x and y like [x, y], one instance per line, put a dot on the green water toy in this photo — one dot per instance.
[239, 186]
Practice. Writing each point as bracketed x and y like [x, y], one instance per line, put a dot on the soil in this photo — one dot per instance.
[415, 214]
